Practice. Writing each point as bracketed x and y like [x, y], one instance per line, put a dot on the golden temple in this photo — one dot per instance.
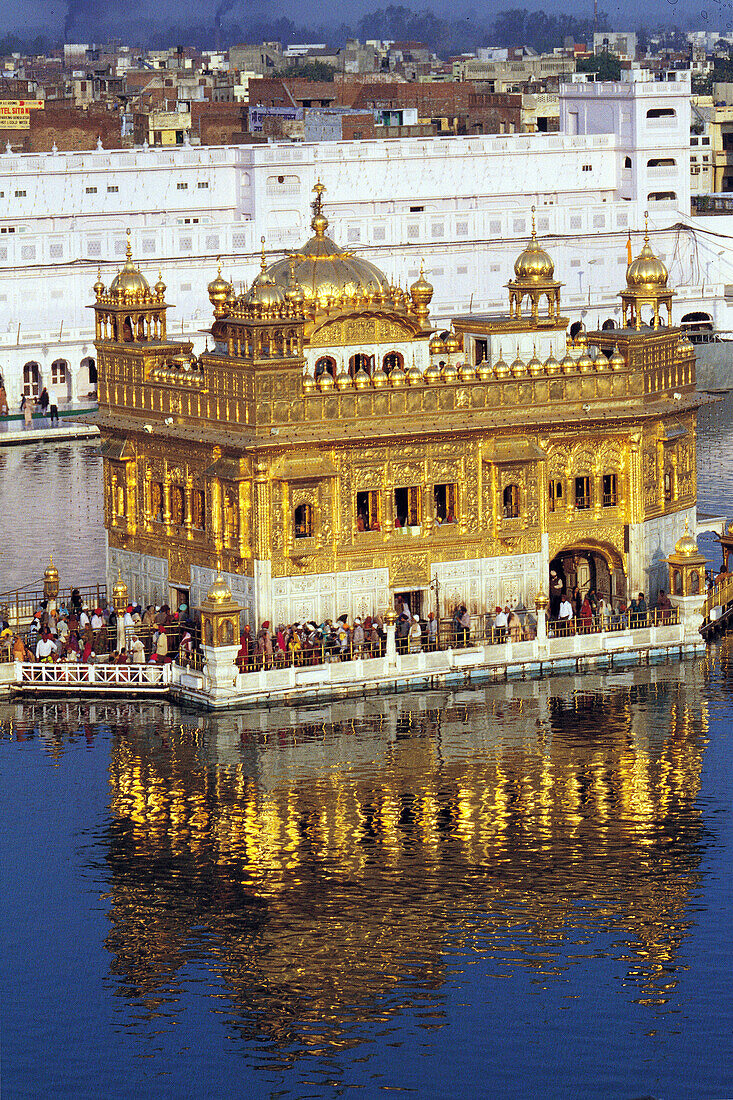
[334, 451]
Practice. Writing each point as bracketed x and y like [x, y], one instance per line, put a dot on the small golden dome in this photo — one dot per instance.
[379, 378]
[551, 364]
[128, 282]
[534, 367]
[484, 370]
[449, 373]
[98, 287]
[160, 285]
[432, 374]
[414, 376]
[518, 367]
[421, 292]
[467, 372]
[533, 265]
[436, 345]
[325, 382]
[600, 363]
[584, 363]
[343, 378]
[309, 383]
[219, 593]
[501, 368]
[647, 270]
[617, 360]
[568, 364]
[51, 573]
[361, 379]
[397, 376]
[452, 342]
[219, 290]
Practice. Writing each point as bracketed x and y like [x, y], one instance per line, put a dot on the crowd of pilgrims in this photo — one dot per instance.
[77, 633]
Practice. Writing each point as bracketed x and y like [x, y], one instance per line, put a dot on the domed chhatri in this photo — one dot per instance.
[646, 284]
[129, 282]
[534, 278]
[219, 290]
[264, 290]
[686, 547]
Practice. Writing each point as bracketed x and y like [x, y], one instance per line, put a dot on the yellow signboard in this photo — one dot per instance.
[15, 113]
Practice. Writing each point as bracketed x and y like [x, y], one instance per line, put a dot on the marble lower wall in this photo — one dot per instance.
[650, 543]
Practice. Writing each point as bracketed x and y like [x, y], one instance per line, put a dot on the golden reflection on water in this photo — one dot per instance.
[329, 868]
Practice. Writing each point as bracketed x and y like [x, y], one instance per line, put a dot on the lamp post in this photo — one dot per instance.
[435, 587]
[541, 603]
[51, 585]
[119, 602]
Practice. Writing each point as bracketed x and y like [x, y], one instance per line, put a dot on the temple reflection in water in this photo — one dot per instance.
[318, 862]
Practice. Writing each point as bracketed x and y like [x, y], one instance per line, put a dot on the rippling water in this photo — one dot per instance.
[511, 892]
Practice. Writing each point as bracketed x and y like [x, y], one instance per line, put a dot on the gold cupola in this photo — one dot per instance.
[646, 284]
[219, 290]
[421, 293]
[128, 283]
[534, 278]
[327, 275]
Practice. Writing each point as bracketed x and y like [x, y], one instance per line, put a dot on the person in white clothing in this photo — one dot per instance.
[414, 636]
[565, 614]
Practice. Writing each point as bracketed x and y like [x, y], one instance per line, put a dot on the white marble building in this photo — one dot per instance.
[460, 203]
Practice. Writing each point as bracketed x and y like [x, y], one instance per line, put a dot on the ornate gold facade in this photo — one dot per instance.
[328, 431]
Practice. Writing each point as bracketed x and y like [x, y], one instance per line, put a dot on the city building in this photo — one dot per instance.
[460, 204]
[332, 452]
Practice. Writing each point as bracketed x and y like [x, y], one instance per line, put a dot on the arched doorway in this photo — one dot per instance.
[31, 380]
[585, 568]
[61, 379]
[87, 376]
[698, 326]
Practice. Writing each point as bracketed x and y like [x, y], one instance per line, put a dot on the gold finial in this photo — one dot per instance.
[319, 188]
[646, 226]
[533, 225]
[687, 526]
[129, 246]
[263, 261]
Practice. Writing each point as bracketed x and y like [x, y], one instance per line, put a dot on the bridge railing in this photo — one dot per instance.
[720, 595]
[22, 603]
[71, 673]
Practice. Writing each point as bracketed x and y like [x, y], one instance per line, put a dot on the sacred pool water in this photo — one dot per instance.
[516, 891]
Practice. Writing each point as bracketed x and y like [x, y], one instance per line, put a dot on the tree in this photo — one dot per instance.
[311, 70]
[606, 65]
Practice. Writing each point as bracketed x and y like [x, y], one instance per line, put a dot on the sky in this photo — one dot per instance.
[50, 17]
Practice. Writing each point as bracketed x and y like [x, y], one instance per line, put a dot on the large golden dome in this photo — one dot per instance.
[647, 270]
[129, 282]
[324, 271]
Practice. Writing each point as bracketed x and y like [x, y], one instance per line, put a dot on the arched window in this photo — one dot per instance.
[198, 508]
[665, 113]
[178, 505]
[667, 485]
[555, 495]
[156, 501]
[303, 521]
[31, 379]
[325, 365]
[127, 332]
[662, 196]
[661, 162]
[694, 583]
[358, 362]
[226, 632]
[677, 582]
[610, 493]
[391, 360]
[59, 369]
[575, 328]
[511, 501]
[582, 492]
[627, 162]
[608, 324]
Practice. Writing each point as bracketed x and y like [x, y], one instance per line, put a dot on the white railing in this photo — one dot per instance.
[73, 674]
